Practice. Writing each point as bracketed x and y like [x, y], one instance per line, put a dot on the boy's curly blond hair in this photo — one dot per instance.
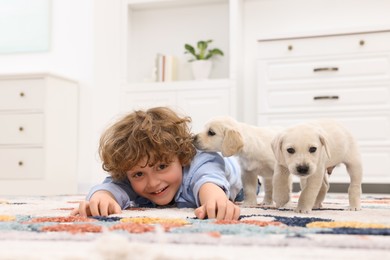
[157, 134]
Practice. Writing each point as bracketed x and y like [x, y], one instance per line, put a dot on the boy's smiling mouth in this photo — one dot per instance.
[159, 191]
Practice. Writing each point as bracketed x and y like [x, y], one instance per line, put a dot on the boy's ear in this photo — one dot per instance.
[232, 143]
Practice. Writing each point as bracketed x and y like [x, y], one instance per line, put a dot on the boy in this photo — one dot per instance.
[152, 162]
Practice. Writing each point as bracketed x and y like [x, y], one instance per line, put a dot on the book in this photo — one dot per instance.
[166, 68]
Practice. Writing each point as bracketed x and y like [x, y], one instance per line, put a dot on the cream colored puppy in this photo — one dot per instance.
[311, 151]
[252, 146]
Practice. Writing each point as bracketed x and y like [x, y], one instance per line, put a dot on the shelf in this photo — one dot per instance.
[147, 4]
[182, 85]
[164, 26]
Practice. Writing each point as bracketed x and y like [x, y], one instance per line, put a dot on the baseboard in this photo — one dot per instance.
[343, 187]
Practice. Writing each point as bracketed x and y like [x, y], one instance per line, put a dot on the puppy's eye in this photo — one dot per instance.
[210, 133]
[312, 149]
[291, 150]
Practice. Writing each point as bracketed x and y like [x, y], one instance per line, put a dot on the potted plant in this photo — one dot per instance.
[201, 58]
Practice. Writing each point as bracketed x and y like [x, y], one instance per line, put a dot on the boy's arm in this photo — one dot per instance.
[215, 204]
[119, 191]
[102, 203]
[208, 168]
[105, 199]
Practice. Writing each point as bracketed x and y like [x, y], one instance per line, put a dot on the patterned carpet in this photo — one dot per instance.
[41, 228]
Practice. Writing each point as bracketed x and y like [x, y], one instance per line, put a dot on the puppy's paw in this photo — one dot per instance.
[249, 203]
[281, 201]
[356, 208]
[280, 204]
[318, 206]
[302, 210]
[267, 203]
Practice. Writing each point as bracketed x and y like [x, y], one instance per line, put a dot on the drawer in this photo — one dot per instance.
[21, 163]
[22, 94]
[367, 128]
[326, 98]
[353, 68]
[324, 45]
[21, 129]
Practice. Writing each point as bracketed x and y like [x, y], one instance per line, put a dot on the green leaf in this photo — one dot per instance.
[202, 45]
[189, 49]
[216, 52]
[202, 53]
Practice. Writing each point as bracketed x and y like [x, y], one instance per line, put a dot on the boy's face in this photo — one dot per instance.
[158, 183]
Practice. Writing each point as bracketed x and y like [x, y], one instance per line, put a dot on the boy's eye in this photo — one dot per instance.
[291, 150]
[162, 167]
[137, 174]
[210, 133]
[312, 149]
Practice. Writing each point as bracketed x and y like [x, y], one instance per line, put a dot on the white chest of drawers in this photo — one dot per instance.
[38, 134]
[341, 76]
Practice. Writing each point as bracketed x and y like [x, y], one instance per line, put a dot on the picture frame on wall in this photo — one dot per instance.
[24, 26]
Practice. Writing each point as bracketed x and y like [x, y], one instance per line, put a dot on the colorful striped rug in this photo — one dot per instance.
[170, 233]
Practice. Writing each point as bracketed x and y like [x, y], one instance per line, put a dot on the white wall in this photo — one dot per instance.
[278, 17]
[101, 103]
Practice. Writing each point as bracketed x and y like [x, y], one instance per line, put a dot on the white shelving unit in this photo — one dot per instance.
[164, 26]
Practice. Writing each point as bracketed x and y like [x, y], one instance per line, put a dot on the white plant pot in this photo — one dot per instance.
[201, 69]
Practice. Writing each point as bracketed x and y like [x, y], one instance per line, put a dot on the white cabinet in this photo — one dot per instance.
[38, 134]
[163, 27]
[341, 76]
[200, 101]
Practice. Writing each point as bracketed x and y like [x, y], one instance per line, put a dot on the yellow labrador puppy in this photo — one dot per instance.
[311, 151]
[252, 146]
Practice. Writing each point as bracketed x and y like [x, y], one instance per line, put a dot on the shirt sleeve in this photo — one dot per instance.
[121, 191]
[207, 168]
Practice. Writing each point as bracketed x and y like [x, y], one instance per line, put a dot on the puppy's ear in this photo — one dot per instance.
[324, 142]
[276, 144]
[232, 143]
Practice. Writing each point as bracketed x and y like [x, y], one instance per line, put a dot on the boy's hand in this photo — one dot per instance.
[102, 203]
[215, 204]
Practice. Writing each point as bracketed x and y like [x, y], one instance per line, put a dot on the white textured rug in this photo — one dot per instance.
[40, 228]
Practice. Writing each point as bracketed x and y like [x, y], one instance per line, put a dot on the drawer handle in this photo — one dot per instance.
[325, 97]
[325, 69]
[21, 94]
[21, 128]
[20, 163]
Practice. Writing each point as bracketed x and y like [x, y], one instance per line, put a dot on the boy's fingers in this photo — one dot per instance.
[236, 212]
[116, 209]
[200, 212]
[82, 210]
[75, 212]
[94, 208]
[103, 208]
[221, 210]
[229, 212]
[112, 208]
[211, 211]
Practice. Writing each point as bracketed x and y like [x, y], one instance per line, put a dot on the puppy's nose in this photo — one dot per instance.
[302, 169]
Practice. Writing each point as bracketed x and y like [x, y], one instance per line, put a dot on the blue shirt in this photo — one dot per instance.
[205, 167]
